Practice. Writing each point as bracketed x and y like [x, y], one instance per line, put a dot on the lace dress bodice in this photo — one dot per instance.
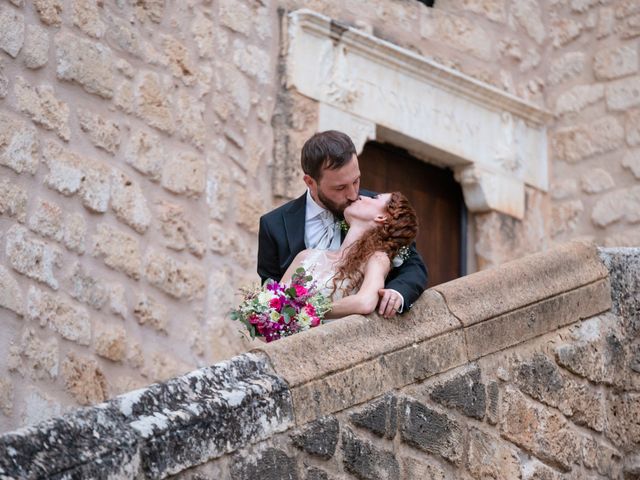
[322, 268]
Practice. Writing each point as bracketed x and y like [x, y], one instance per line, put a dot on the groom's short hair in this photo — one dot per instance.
[330, 149]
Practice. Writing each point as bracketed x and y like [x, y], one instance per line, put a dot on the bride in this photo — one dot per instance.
[351, 276]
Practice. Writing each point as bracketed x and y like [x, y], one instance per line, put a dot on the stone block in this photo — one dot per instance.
[117, 300]
[249, 210]
[178, 232]
[190, 120]
[18, 145]
[270, 464]
[68, 446]
[545, 316]
[252, 60]
[623, 265]
[576, 143]
[414, 468]
[630, 27]
[84, 379]
[622, 204]
[13, 200]
[610, 63]
[180, 63]
[218, 192]
[70, 174]
[432, 431]
[11, 296]
[379, 417]
[596, 180]
[11, 30]
[34, 358]
[622, 427]
[129, 203]
[47, 220]
[489, 457]
[457, 32]
[42, 106]
[623, 94]
[36, 47]
[110, 342]
[103, 133]
[578, 98]
[315, 473]
[539, 430]
[31, 257]
[606, 22]
[631, 160]
[632, 127]
[464, 392]
[69, 320]
[184, 174]
[366, 461]
[49, 11]
[565, 217]
[152, 102]
[541, 379]
[178, 279]
[86, 288]
[564, 30]
[481, 296]
[528, 14]
[85, 62]
[120, 250]
[237, 16]
[594, 351]
[566, 67]
[86, 16]
[150, 312]
[318, 438]
[75, 231]
[202, 30]
[4, 82]
[6, 396]
[146, 154]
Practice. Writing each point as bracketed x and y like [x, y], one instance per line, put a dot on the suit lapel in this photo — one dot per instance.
[294, 218]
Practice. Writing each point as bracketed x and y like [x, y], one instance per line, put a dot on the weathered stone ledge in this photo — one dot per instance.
[156, 431]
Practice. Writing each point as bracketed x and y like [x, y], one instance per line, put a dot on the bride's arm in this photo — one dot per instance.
[297, 262]
[366, 299]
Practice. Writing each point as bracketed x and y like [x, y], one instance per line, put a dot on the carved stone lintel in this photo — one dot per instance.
[359, 129]
[484, 191]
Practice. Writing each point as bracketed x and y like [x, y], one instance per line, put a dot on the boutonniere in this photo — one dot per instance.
[344, 226]
[399, 259]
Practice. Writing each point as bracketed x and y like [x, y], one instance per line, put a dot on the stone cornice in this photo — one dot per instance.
[411, 63]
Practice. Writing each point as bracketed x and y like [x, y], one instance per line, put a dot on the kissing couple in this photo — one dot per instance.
[348, 239]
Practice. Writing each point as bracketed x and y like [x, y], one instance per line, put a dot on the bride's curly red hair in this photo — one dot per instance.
[398, 230]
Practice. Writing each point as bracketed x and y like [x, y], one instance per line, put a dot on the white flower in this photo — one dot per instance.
[265, 297]
[397, 261]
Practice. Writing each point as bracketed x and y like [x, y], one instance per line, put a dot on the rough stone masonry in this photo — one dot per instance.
[553, 396]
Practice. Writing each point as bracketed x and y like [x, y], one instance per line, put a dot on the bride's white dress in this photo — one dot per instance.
[321, 267]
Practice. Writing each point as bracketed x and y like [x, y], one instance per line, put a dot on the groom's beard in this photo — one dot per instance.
[333, 207]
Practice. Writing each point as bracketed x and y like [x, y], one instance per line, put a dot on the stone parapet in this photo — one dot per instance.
[156, 431]
[416, 382]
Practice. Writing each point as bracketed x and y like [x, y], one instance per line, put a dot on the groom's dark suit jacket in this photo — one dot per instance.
[281, 238]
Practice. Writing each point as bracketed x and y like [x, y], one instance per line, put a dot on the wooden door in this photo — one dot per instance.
[435, 195]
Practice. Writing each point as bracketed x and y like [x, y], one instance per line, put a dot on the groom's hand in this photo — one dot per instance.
[390, 302]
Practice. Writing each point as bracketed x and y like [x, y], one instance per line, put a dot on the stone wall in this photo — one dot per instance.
[136, 137]
[130, 134]
[529, 370]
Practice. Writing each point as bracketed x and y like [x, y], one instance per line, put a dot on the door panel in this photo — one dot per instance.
[435, 195]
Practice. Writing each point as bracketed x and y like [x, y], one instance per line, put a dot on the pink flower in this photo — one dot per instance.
[310, 309]
[300, 290]
[315, 321]
[275, 303]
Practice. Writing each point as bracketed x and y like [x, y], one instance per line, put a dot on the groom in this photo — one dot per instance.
[332, 176]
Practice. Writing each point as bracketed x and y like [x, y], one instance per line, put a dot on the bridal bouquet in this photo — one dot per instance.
[277, 310]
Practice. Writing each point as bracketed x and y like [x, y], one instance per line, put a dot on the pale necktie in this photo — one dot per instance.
[328, 231]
